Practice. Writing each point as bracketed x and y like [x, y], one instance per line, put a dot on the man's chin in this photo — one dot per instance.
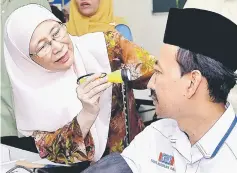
[160, 113]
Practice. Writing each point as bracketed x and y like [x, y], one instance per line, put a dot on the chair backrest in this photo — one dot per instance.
[125, 31]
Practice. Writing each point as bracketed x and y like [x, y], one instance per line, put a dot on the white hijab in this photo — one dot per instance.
[45, 100]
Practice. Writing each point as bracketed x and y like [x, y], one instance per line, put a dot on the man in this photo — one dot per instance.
[192, 80]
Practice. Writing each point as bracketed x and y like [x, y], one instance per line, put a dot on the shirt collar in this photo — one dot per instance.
[167, 127]
[213, 140]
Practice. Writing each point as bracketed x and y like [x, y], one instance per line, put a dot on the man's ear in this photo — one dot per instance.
[195, 78]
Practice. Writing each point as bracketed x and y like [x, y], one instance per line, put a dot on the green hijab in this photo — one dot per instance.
[7, 118]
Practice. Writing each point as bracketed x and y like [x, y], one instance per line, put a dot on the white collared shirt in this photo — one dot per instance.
[164, 148]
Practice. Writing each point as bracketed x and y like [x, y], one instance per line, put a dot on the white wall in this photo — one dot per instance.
[147, 28]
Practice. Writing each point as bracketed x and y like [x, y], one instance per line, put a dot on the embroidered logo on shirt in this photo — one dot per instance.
[165, 161]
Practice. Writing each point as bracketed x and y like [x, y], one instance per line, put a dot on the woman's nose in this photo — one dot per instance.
[56, 46]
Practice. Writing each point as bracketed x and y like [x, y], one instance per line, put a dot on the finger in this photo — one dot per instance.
[80, 94]
[86, 96]
[95, 84]
[98, 89]
[90, 79]
[95, 98]
[79, 90]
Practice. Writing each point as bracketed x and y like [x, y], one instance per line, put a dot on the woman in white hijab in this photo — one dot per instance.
[44, 61]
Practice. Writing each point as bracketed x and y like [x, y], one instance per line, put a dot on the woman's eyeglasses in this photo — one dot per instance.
[57, 34]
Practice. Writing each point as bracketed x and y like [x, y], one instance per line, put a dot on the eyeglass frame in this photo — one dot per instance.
[49, 42]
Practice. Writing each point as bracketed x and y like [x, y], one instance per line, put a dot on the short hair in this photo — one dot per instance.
[219, 78]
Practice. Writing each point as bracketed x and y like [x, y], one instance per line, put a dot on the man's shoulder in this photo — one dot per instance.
[231, 141]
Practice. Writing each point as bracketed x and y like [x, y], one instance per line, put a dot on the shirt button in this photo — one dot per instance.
[3, 11]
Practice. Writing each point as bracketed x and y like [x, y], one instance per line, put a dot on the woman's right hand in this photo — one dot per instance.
[90, 91]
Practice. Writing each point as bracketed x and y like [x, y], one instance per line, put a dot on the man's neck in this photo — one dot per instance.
[200, 120]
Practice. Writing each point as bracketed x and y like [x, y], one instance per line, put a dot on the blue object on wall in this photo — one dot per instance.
[59, 2]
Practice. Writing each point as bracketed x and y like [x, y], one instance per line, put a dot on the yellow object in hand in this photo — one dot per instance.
[115, 77]
[118, 76]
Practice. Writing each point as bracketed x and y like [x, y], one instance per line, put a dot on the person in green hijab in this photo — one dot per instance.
[8, 124]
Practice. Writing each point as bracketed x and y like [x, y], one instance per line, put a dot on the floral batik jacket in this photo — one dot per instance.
[66, 145]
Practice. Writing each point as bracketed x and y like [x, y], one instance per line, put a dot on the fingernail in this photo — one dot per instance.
[104, 79]
[103, 75]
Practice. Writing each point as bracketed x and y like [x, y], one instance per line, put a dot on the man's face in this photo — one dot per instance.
[169, 89]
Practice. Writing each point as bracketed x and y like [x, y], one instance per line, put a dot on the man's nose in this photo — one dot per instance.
[150, 84]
